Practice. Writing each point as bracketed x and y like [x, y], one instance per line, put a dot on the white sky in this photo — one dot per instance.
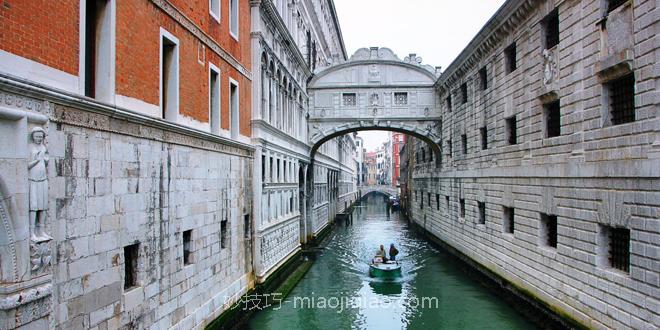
[436, 30]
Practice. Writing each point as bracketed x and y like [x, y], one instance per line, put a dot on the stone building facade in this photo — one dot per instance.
[549, 172]
[126, 169]
[290, 40]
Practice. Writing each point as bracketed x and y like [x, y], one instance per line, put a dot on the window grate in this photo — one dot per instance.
[349, 100]
[614, 4]
[462, 201]
[400, 99]
[622, 100]
[620, 248]
[552, 29]
[553, 122]
[482, 212]
[484, 137]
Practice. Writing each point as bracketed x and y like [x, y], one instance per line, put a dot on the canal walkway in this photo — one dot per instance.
[434, 292]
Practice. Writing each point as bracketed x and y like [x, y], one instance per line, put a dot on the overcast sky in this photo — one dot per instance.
[436, 30]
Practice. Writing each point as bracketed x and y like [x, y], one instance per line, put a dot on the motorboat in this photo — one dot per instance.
[385, 270]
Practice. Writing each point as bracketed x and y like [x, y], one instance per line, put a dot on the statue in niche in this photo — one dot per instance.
[38, 178]
[374, 99]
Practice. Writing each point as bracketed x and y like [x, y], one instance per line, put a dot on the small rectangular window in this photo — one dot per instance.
[483, 132]
[551, 28]
[464, 143]
[401, 99]
[214, 100]
[437, 201]
[451, 149]
[247, 230]
[187, 247]
[462, 202]
[464, 93]
[169, 78]
[616, 241]
[233, 18]
[552, 119]
[622, 100]
[510, 58]
[421, 203]
[349, 99]
[548, 230]
[97, 50]
[429, 197]
[482, 212]
[131, 265]
[483, 79]
[214, 9]
[223, 234]
[508, 219]
[614, 4]
[234, 109]
[512, 136]
[447, 203]
[449, 102]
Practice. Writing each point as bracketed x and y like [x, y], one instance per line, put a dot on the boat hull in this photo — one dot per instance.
[385, 271]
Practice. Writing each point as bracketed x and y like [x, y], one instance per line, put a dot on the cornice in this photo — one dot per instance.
[189, 25]
[501, 24]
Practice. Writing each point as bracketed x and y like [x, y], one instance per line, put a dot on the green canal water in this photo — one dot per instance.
[433, 293]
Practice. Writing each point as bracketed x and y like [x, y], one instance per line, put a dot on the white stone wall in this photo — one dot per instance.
[594, 174]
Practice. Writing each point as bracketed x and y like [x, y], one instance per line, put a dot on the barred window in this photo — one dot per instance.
[622, 100]
[552, 119]
[617, 244]
[510, 58]
[482, 212]
[462, 202]
[508, 219]
[464, 93]
[401, 98]
[484, 137]
[130, 265]
[549, 230]
[551, 27]
[349, 99]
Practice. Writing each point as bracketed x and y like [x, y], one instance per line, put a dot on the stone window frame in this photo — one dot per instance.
[187, 245]
[347, 96]
[461, 202]
[215, 106]
[604, 248]
[508, 220]
[481, 208]
[132, 257]
[548, 107]
[234, 18]
[215, 12]
[170, 110]
[549, 28]
[483, 78]
[404, 101]
[511, 130]
[546, 232]
[234, 109]
[510, 58]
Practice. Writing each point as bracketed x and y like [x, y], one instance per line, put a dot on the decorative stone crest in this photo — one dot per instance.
[374, 73]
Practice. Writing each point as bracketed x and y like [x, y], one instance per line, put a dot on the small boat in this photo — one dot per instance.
[384, 270]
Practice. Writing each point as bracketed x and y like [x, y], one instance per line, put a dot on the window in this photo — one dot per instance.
[247, 230]
[512, 137]
[462, 202]
[614, 4]
[233, 18]
[507, 220]
[464, 93]
[421, 204]
[223, 234]
[552, 119]
[622, 100]
[400, 99]
[429, 197]
[548, 230]
[482, 213]
[510, 58]
[214, 9]
[169, 76]
[233, 109]
[437, 201]
[447, 203]
[483, 132]
[278, 178]
[450, 146]
[349, 99]
[187, 247]
[483, 79]
[214, 99]
[464, 144]
[263, 168]
[449, 102]
[97, 52]
[131, 265]
[615, 241]
[551, 29]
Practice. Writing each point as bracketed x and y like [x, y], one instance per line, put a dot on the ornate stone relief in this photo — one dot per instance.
[549, 66]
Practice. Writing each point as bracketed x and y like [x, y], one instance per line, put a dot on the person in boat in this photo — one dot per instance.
[393, 252]
[380, 255]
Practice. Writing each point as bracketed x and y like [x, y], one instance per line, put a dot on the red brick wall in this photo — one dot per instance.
[44, 31]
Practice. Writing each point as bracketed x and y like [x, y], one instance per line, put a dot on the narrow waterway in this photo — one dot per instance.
[433, 293]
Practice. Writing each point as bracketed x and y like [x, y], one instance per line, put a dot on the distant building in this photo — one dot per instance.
[397, 144]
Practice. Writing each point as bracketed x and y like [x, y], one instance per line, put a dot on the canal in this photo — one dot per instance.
[434, 291]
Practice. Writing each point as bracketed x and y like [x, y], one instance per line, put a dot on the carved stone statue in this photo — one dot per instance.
[549, 67]
[38, 178]
[374, 99]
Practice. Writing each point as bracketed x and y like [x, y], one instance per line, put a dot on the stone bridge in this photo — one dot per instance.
[375, 90]
[383, 189]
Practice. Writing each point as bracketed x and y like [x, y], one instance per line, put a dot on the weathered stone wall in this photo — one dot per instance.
[593, 175]
[116, 180]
